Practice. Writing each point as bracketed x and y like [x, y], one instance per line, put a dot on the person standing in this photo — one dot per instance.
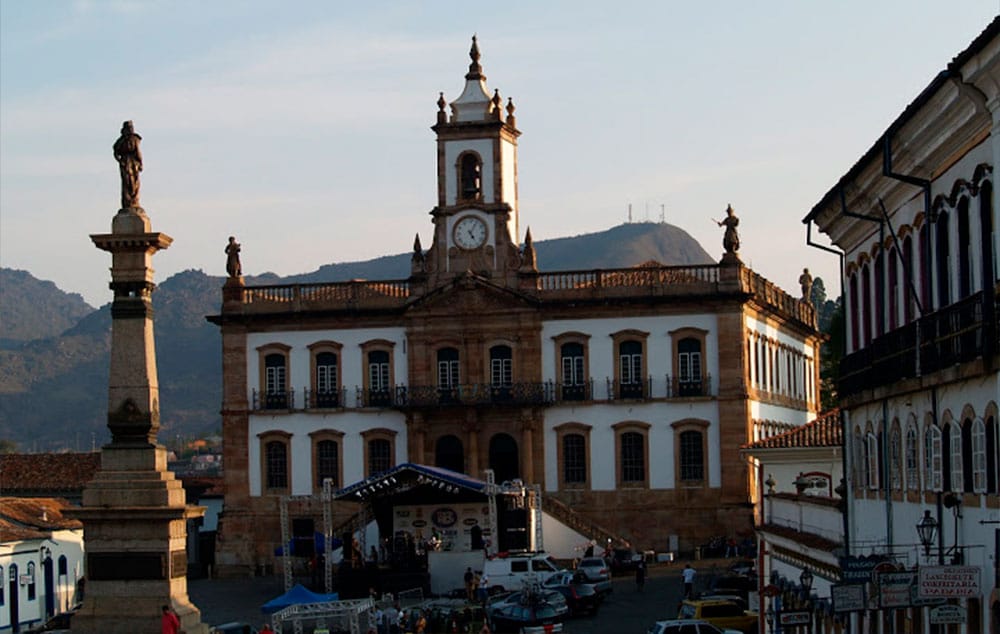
[688, 574]
[640, 575]
[483, 591]
[469, 584]
[169, 623]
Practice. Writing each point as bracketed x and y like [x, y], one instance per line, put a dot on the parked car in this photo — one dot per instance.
[744, 567]
[597, 571]
[687, 626]
[510, 572]
[624, 560]
[581, 597]
[734, 584]
[726, 597]
[721, 613]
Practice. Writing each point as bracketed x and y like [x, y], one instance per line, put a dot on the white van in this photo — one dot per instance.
[511, 571]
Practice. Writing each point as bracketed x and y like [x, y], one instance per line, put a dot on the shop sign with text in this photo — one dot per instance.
[949, 582]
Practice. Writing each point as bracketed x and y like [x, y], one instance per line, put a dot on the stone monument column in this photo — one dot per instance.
[134, 512]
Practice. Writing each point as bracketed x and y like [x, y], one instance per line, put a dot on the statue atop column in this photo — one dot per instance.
[731, 239]
[130, 164]
[233, 266]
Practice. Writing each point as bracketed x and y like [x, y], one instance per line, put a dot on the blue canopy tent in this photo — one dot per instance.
[298, 595]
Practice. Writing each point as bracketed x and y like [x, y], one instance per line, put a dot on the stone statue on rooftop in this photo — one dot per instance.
[731, 239]
[233, 266]
[130, 164]
[806, 280]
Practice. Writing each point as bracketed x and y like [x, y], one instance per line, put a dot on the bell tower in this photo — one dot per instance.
[476, 217]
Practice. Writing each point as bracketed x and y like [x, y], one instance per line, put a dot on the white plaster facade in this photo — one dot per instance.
[917, 220]
[23, 577]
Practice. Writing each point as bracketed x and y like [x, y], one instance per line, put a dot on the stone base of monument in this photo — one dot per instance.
[135, 534]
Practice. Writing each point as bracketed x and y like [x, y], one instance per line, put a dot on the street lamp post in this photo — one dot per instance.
[926, 529]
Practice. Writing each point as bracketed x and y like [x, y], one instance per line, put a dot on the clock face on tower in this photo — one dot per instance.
[469, 232]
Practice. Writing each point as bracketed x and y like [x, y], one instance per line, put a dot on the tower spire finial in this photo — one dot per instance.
[475, 68]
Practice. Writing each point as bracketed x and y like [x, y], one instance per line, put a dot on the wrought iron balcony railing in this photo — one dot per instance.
[955, 334]
[476, 394]
[325, 399]
[273, 400]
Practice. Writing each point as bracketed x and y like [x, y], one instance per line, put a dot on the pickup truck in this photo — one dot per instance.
[721, 613]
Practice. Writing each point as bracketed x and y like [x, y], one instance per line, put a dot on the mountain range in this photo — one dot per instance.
[54, 347]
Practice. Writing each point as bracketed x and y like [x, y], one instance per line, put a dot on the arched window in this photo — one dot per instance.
[447, 360]
[871, 460]
[504, 457]
[573, 455]
[943, 260]
[880, 295]
[470, 168]
[860, 467]
[992, 455]
[895, 458]
[501, 372]
[991, 270]
[574, 448]
[866, 304]
[965, 250]
[327, 390]
[574, 377]
[448, 375]
[63, 568]
[327, 462]
[379, 456]
[31, 581]
[378, 378]
[276, 381]
[692, 456]
[633, 457]
[893, 299]
[689, 368]
[933, 458]
[449, 454]
[978, 456]
[951, 450]
[276, 456]
[855, 311]
[380, 450]
[924, 243]
[912, 459]
[630, 359]
[909, 279]
[3, 585]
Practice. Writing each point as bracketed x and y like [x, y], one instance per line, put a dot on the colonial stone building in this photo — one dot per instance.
[626, 394]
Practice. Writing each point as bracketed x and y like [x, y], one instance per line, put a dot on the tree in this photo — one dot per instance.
[832, 352]
[7, 446]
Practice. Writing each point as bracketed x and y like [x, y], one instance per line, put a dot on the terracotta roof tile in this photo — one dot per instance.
[49, 472]
[825, 431]
[32, 518]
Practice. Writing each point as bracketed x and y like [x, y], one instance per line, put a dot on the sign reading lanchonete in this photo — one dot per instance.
[949, 582]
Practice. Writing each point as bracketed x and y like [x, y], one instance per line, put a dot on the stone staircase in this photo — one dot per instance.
[565, 514]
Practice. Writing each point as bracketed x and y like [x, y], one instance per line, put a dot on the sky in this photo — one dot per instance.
[303, 128]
